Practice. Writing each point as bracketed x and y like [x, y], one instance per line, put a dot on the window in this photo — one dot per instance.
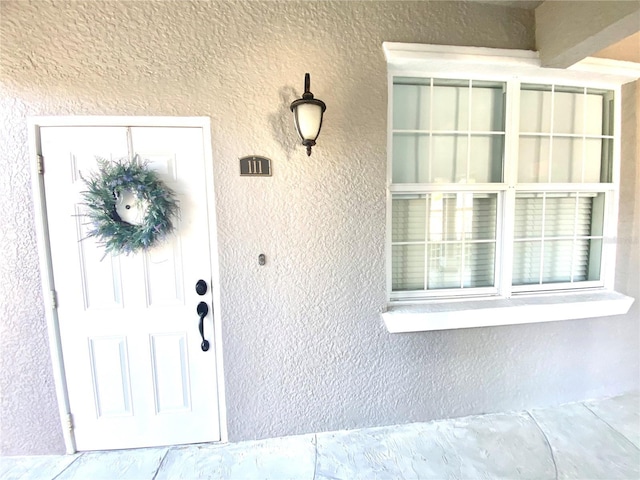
[502, 175]
[447, 134]
[566, 142]
[443, 241]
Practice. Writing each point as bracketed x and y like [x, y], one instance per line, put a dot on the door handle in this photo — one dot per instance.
[203, 310]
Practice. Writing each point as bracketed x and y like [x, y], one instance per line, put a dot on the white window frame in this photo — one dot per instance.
[444, 309]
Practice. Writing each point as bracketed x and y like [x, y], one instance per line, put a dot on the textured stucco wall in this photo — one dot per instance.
[628, 254]
[568, 31]
[307, 350]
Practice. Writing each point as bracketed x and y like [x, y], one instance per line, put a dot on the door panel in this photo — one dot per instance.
[110, 376]
[136, 375]
[170, 366]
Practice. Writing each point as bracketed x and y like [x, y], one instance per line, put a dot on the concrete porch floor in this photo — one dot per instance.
[597, 439]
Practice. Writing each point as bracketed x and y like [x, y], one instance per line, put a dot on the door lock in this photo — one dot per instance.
[201, 287]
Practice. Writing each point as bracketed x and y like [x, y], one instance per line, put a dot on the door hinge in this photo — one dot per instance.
[40, 162]
[54, 299]
[69, 422]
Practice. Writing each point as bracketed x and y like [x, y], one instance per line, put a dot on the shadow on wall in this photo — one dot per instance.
[281, 121]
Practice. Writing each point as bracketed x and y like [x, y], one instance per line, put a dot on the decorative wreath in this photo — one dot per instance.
[129, 208]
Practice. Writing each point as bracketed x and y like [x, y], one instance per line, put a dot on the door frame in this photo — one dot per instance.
[44, 251]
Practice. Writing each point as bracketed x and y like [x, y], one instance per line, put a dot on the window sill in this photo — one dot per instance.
[451, 314]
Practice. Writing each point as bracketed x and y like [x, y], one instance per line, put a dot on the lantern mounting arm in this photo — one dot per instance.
[307, 87]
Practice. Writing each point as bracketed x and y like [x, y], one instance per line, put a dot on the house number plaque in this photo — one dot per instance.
[253, 166]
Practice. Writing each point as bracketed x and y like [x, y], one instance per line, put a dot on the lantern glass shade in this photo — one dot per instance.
[308, 118]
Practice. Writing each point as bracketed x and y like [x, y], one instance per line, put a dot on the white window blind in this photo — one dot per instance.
[444, 240]
[558, 238]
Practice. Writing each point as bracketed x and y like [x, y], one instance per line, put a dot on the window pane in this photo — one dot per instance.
[606, 165]
[594, 154]
[450, 105]
[566, 163]
[487, 108]
[568, 110]
[407, 267]
[594, 259]
[574, 122]
[560, 215]
[442, 217]
[483, 221]
[408, 219]
[462, 216]
[445, 263]
[411, 107]
[570, 156]
[526, 263]
[567, 224]
[591, 224]
[533, 164]
[581, 261]
[479, 265]
[535, 108]
[557, 261]
[452, 220]
[528, 216]
[438, 118]
[485, 165]
[595, 113]
[410, 158]
[450, 154]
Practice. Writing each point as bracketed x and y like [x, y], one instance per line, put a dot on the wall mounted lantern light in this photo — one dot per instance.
[307, 113]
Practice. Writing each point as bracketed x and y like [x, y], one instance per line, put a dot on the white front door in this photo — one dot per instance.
[136, 374]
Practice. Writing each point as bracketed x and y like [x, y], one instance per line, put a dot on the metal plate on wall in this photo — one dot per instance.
[254, 166]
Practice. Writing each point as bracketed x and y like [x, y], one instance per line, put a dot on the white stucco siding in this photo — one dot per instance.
[304, 345]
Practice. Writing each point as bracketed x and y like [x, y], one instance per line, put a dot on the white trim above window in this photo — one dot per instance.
[503, 182]
[495, 63]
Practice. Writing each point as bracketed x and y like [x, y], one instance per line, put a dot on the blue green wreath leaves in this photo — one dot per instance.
[110, 230]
